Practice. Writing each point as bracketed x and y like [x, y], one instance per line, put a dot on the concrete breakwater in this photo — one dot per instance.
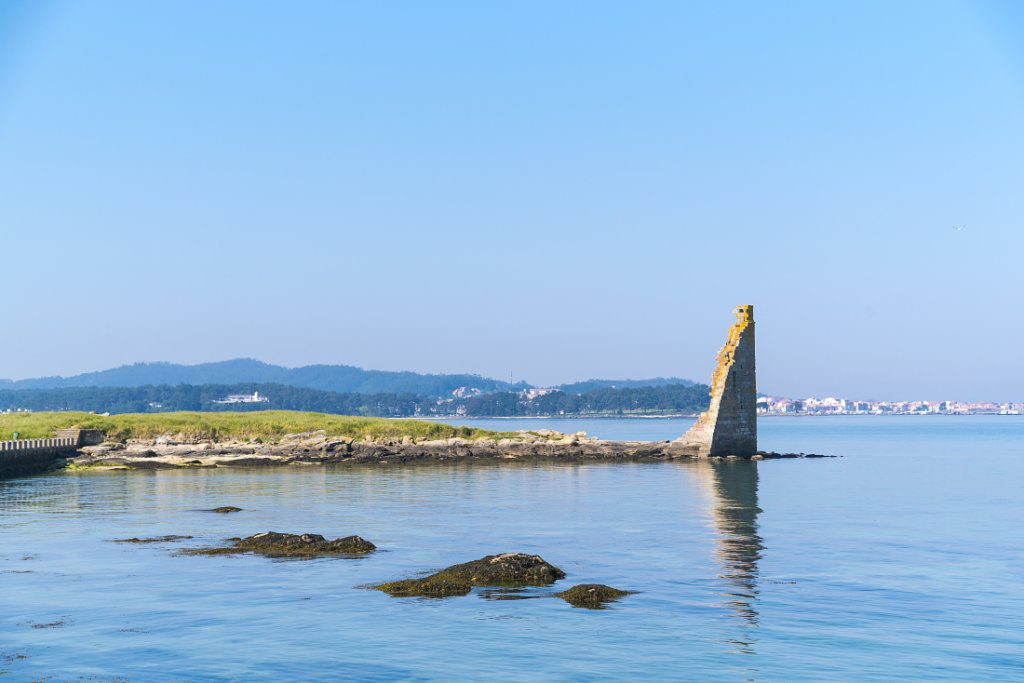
[319, 449]
[26, 456]
[33, 455]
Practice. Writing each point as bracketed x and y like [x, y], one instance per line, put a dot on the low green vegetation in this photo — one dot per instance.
[268, 425]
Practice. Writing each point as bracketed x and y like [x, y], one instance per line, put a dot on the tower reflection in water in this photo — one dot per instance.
[732, 485]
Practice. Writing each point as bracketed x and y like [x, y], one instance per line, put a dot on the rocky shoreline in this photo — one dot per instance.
[319, 448]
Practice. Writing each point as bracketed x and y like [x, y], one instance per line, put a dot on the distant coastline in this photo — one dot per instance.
[695, 415]
[574, 416]
[245, 384]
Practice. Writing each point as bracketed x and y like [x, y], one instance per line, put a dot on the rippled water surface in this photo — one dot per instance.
[901, 560]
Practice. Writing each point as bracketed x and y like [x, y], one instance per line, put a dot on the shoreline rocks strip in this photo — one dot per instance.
[318, 448]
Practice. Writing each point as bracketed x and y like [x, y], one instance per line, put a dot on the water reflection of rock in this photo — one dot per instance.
[738, 546]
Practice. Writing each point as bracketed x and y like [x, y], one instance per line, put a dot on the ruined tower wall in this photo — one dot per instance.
[729, 427]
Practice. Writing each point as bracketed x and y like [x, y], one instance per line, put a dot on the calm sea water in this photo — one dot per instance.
[900, 561]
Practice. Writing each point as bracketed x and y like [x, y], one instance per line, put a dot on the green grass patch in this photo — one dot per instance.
[268, 425]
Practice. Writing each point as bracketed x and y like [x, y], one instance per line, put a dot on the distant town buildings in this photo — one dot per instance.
[773, 405]
[534, 392]
[466, 392]
[245, 398]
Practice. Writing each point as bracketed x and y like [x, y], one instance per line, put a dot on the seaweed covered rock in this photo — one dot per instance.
[591, 595]
[225, 509]
[274, 544]
[507, 569]
[434, 586]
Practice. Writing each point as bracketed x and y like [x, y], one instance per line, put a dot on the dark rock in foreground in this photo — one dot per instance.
[507, 569]
[274, 544]
[224, 509]
[154, 539]
[591, 595]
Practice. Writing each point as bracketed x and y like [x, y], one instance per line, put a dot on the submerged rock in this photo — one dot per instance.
[154, 539]
[224, 509]
[63, 621]
[507, 569]
[514, 593]
[591, 595]
[274, 544]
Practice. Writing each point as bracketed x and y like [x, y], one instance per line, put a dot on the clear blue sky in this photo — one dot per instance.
[560, 190]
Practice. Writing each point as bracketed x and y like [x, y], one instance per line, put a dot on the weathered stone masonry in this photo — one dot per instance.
[729, 427]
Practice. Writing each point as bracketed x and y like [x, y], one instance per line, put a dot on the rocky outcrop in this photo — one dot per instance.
[506, 569]
[319, 448]
[591, 595]
[274, 544]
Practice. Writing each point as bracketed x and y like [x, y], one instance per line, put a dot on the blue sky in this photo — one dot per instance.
[556, 190]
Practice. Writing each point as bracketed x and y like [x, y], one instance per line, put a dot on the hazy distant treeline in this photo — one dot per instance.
[671, 398]
[343, 379]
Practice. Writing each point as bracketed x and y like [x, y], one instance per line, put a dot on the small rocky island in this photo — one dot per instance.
[728, 429]
[320, 448]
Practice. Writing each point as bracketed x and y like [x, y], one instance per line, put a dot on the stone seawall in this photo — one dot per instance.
[27, 456]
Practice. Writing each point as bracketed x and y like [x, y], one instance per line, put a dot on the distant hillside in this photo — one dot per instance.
[592, 384]
[338, 378]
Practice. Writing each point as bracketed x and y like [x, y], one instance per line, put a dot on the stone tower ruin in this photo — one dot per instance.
[729, 427]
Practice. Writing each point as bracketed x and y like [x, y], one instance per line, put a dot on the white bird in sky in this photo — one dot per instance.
[958, 228]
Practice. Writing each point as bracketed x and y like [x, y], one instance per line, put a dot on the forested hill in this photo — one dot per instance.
[668, 399]
[339, 378]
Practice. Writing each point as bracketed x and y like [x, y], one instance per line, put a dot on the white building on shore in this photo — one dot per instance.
[245, 398]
